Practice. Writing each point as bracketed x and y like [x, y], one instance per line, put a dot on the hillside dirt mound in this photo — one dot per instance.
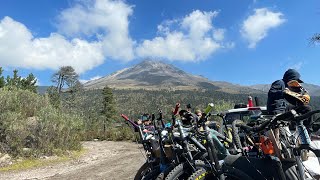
[102, 160]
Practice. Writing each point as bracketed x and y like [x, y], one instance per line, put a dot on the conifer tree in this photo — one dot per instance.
[29, 83]
[65, 76]
[2, 80]
[108, 110]
[108, 103]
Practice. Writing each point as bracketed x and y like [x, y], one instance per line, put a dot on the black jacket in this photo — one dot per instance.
[276, 103]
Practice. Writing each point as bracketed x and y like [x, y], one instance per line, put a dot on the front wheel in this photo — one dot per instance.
[147, 171]
[230, 173]
[183, 170]
[235, 134]
[165, 173]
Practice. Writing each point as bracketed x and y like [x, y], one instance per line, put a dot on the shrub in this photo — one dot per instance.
[28, 120]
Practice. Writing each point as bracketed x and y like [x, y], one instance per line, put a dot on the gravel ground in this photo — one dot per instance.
[103, 160]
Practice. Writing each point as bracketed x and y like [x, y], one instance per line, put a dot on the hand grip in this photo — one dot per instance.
[209, 108]
[176, 109]
[125, 117]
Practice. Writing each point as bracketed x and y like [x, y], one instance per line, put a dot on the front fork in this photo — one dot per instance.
[300, 166]
[305, 144]
[212, 152]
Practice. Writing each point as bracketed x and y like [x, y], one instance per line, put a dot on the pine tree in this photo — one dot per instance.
[65, 76]
[2, 80]
[15, 80]
[108, 110]
[108, 102]
[54, 96]
[29, 83]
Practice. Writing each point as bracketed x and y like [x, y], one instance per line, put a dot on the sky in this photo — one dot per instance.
[243, 42]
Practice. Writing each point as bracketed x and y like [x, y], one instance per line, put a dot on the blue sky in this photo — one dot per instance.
[244, 42]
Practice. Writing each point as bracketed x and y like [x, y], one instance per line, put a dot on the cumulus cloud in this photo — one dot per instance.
[256, 26]
[88, 34]
[218, 34]
[192, 38]
[93, 31]
[18, 48]
[107, 20]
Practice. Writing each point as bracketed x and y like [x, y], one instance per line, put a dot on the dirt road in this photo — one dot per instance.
[103, 160]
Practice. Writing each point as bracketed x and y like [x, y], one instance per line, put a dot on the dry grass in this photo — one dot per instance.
[27, 163]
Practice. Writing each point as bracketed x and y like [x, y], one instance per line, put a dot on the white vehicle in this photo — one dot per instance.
[244, 113]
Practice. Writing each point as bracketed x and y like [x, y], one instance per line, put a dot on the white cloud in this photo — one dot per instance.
[94, 31]
[106, 20]
[294, 65]
[18, 48]
[91, 79]
[192, 38]
[297, 66]
[256, 26]
[38, 82]
[218, 34]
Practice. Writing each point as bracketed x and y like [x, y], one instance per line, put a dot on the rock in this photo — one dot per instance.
[26, 149]
[5, 160]
[32, 121]
[44, 157]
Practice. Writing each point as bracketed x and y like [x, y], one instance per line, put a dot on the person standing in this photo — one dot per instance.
[276, 103]
[285, 94]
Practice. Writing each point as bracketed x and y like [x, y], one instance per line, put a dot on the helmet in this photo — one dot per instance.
[292, 74]
[145, 117]
[296, 94]
[186, 117]
[198, 112]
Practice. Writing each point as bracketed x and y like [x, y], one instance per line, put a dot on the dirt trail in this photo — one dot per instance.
[103, 160]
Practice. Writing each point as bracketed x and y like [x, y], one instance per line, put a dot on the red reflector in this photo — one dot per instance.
[250, 103]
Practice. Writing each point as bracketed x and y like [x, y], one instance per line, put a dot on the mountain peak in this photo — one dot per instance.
[150, 61]
[155, 75]
[150, 74]
[153, 64]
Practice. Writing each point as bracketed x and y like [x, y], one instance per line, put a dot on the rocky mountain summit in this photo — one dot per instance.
[157, 75]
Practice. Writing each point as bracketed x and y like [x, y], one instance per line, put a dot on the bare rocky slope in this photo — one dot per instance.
[155, 75]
